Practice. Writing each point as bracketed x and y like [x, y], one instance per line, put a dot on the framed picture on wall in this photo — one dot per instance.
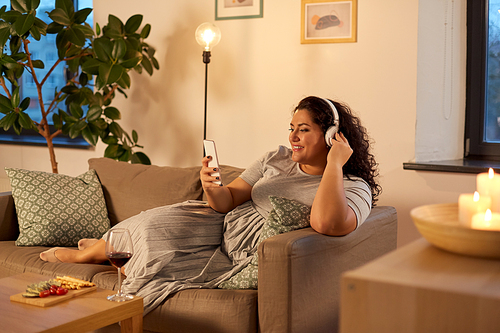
[238, 9]
[333, 21]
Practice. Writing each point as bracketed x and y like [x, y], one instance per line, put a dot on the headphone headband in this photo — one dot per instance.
[330, 132]
[334, 111]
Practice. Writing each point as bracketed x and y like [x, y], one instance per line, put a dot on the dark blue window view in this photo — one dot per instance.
[492, 114]
[46, 51]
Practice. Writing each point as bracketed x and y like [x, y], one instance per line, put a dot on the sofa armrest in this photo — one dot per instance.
[9, 229]
[300, 272]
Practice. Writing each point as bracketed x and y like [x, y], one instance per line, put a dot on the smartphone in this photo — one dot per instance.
[210, 150]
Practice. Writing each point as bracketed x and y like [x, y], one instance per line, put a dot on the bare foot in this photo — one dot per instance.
[50, 255]
[86, 242]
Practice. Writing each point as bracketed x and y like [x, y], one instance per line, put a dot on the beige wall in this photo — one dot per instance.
[259, 71]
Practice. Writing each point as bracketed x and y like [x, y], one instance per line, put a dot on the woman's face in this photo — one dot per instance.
[307, 141]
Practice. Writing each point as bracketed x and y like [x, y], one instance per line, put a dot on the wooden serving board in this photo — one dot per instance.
[52, 299]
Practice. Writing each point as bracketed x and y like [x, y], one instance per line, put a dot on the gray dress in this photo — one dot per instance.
[189, 245]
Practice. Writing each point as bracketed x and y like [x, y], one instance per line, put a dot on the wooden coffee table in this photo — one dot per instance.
[80, 314]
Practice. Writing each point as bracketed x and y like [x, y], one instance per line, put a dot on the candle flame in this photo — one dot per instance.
[491, 173]
[487, 215]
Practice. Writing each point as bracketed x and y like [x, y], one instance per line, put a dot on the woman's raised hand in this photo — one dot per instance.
[207, 181]
[340, 152]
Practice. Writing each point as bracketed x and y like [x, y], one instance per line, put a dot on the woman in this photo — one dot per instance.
[337, 182]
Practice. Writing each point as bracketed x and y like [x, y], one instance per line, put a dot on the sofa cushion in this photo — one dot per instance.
[132, 188]
[57, 210]
[286, 215]
[207, 311]
[26, 259]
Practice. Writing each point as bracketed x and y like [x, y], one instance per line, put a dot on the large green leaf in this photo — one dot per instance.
[94, 113]
[112, 113]
[91, 66]
[82, 14]
[66, 6]
[115, 24]
[76, 128]
[15, 98]
[145, 31]
[76, 110]
[9, 120]
[132, 62]
[4, 101]
[147, 65]
[19, 5]
[133, 23]
[124, 81]
[116, 129]
[25, 104]
[38, 64]
[91, 134]
[103, 48]
[54, 27]
[111, 151]
[140, 158]
[86, 30]
[119, 49]
[11, 16]
[75, 36]
[35, 32]
[115, 74]
[4, 37]
[24, 23]
[58, 15]
[25, 120]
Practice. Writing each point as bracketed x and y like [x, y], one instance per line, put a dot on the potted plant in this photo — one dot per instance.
[100, 61]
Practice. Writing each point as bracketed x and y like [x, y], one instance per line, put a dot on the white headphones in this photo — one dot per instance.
[330, 132]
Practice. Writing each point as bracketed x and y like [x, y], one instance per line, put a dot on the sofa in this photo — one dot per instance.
[299, 272]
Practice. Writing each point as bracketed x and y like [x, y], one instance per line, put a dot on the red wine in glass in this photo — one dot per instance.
[119, 250]
[118, 259]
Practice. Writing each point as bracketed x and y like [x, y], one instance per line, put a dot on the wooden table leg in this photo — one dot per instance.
[132, 324]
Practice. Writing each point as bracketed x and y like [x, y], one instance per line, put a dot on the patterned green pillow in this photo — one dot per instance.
[286, 215]
[57, 210]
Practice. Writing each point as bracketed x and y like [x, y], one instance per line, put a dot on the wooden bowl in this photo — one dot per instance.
[440, 226]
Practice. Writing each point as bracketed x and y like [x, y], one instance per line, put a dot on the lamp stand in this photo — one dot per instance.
[206, 61]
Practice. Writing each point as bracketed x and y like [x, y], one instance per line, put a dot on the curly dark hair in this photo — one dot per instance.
[362, 162]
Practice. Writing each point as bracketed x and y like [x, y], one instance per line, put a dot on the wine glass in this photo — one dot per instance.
[119, 250]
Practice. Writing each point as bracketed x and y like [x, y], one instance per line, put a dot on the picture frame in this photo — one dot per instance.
[329, 21]
[238, 9]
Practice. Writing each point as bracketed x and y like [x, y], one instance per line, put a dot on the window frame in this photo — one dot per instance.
[475, 147]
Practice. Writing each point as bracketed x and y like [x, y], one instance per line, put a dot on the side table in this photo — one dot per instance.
[420, 289]
[80, 314]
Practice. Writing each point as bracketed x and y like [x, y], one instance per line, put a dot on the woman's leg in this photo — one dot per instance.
[91, 255]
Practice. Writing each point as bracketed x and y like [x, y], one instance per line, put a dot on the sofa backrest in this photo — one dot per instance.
[132, 188]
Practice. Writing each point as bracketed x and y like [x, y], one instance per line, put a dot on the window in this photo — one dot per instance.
[482, 132]
[48, 54]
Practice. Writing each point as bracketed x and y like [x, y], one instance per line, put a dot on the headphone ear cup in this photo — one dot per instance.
[329, 134]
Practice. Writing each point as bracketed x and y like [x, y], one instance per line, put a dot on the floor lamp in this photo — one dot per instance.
[207, 35]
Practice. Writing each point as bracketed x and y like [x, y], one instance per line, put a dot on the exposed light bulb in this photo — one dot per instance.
[207, 35]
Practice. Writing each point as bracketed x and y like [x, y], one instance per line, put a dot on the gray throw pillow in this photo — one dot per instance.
[286, 215]
[57, 210]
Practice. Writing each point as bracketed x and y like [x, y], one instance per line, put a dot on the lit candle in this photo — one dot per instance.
[486, 221]
[488, 184]
[471, 204]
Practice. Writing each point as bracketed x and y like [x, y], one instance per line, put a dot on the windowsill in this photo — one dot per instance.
[37, 140]
[458, 166]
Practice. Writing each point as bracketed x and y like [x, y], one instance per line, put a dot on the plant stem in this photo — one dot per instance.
[43, 127]
[2, 82]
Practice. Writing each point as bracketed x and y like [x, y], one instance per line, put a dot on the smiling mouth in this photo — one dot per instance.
[297, 148]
